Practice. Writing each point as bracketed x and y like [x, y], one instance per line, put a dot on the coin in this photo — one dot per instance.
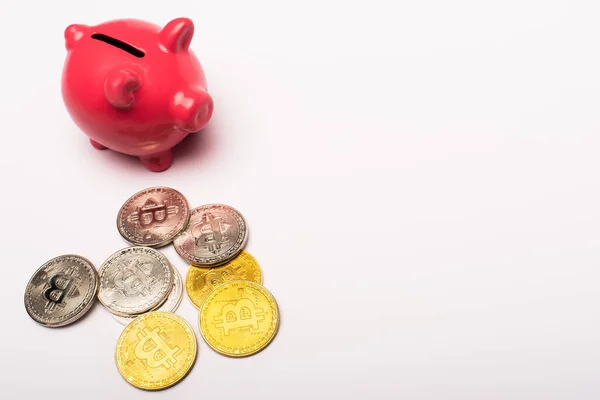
[156, 350]
[199, 282]
[170, 304]
[153, 217]
[134, 280]
[61, 291]
[239, 318]
[215, 235]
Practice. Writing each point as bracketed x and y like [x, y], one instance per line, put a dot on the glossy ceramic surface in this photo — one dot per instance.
[135, 87]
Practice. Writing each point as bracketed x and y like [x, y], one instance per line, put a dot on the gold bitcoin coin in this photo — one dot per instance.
[156, 350]
[199, 282]
[239, 318]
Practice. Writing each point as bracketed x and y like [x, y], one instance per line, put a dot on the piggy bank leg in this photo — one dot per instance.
[158, 162]
[98, 145]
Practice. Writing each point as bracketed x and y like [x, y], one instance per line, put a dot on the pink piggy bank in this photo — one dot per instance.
[135, 88]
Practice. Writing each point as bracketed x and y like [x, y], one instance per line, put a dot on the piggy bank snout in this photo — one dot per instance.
[202, 114]
[192, 110]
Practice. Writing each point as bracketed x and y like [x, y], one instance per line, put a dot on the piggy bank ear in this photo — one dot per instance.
[119, 87]
[177, 35]
[73, 34]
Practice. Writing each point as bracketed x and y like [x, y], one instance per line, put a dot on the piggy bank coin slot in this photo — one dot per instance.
[119, 44]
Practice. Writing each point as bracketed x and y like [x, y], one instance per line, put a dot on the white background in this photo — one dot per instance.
[420, 179]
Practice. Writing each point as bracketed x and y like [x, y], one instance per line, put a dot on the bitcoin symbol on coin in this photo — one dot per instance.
[152, 212]
[154, 350]
[134, 278]
[215, 278]
[210, 233]
[241, 315]
[59, 288]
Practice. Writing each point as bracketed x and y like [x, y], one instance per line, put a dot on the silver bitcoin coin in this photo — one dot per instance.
[61, 291]
[134, 280]
[153, 217]
[215, 235]
[170, 304]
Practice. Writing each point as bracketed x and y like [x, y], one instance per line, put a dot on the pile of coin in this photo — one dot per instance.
[142, 289]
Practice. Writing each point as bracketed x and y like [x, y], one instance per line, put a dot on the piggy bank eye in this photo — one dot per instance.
[118, 44]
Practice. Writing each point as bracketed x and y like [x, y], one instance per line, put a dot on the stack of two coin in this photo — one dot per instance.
[237, 315]
[137, 280]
